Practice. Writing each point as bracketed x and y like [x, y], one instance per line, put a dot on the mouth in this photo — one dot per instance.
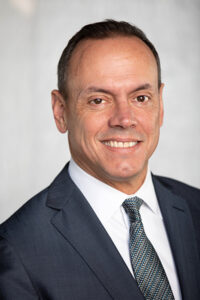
[120, 144]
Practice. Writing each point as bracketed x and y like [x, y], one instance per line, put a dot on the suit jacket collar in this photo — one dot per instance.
[79, 225]
[180, 230]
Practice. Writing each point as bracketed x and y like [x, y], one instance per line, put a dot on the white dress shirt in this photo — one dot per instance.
[107, 201]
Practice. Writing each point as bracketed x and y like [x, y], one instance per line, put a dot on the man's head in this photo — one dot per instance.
[111, 105]
[100, 30]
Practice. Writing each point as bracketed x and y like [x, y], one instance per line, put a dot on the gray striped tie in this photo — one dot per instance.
[147, 268]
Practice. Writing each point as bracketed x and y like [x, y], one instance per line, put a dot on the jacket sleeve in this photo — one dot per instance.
[14, 280]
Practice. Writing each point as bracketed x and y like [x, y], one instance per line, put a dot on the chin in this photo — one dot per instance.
[125, 174]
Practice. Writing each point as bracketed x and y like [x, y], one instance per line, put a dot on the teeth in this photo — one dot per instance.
[116, 144]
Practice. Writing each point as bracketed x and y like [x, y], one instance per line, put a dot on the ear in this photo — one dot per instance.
[59, 110]
[161, 103]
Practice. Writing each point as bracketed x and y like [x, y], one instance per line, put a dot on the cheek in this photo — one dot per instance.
[150, 123]
[84, 131]
[92, 124]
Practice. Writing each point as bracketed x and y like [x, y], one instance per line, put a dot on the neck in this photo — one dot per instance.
[128, 186]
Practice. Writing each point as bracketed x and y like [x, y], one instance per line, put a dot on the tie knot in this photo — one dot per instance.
[132, 206]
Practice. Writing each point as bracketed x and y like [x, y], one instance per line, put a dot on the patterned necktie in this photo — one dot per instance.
[147, 268]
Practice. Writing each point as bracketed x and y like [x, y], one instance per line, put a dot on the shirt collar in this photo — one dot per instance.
[106, 200]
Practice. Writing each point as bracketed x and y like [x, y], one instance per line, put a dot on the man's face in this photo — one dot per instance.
[114, 109]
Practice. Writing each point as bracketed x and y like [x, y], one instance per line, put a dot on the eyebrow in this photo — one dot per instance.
[101, 90]
[145, 86]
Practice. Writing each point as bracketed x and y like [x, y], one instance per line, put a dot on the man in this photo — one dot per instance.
[106, 228]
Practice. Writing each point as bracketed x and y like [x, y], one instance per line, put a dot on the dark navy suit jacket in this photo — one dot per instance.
[55, 248]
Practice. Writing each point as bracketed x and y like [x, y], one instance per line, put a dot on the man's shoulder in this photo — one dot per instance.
[185, 191]
[35, 215]
[178, 187]
[29, 214]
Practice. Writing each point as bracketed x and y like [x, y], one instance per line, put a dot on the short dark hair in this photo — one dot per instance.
[100, 30]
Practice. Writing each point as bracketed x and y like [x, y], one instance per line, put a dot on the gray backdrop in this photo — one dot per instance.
[32, 35]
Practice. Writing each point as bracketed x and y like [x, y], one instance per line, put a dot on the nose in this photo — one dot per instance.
[123, 116]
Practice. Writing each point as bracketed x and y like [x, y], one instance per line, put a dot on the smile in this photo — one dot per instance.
[116, 144]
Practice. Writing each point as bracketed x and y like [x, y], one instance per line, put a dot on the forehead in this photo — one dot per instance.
[114, 58]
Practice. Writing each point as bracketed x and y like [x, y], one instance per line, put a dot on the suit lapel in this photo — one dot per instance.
[79, 225]
[180, 230]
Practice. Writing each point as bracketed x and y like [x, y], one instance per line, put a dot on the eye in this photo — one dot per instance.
[142, 98]
[97, 101]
